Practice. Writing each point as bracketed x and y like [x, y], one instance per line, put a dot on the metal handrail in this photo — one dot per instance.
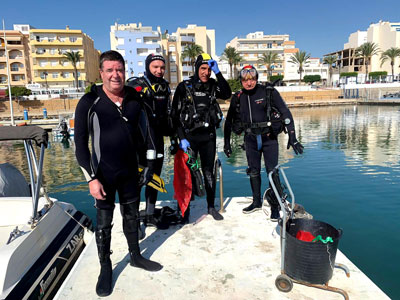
[218, 169]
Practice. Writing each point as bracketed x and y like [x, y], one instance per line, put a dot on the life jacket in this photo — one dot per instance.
[194, 116]
[273, 125]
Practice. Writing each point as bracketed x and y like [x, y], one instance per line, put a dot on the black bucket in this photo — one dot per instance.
[312, 262]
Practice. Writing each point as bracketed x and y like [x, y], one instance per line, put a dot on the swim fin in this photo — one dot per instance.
[156, 182]
[197, 177]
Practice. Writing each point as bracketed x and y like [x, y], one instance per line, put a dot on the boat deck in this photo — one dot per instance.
[238, 258]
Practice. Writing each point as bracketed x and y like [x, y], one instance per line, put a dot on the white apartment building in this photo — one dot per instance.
[255, 44]
[174, 44]
[384, 34]
[312, 67]
[135, 42]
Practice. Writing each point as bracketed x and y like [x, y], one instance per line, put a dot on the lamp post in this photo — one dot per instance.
[45, 79]
[338, 65]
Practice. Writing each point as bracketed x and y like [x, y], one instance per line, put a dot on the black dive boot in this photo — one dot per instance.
[130, 227]
[255, 183]
[210, 190]
[103, 241]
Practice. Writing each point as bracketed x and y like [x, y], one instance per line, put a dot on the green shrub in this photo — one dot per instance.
[272, 78]
[18, 91]
[377, 74]
[311, 78]
[348, 74]
[235, 85]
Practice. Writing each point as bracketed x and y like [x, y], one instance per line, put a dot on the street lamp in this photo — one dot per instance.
[45, 79]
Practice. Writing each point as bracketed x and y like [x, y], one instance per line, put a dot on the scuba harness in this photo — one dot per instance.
[274, 124]
[150, 91]
[194, 116]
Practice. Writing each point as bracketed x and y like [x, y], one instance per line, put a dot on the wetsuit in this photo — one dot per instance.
[114, 135]
[157, 105]
[249, 109]
[201, 130]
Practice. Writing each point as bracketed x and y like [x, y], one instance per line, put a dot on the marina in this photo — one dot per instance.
[353, 146]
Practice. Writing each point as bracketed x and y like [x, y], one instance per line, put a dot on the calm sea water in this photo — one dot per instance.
[348, 177]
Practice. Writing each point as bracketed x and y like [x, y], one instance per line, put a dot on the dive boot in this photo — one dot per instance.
[103, 241]
[252, 208]
[130, 227]
[274, 214]
[255, 183]
[215, 214]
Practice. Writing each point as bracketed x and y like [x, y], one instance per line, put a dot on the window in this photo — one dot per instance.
[138, 40]
[43, 75]
[62, 39]
[140, 63]
[52, 51]
[54, 63]
[40, 51]
[54, 75]
[269, 45]
[120, 41]
[171, 49]
[66, 74]
[72, 39]
[42, 63]
[65, 63]
[52, 38]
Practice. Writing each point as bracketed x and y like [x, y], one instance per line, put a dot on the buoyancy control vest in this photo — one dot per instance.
[159, 114]
[273, 124]
[199, 115]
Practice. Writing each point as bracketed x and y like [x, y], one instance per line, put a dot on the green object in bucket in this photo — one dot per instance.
[319, 238]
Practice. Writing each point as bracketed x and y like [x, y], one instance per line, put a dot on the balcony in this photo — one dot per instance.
[187, 69]
[187, 39]
[67, 42]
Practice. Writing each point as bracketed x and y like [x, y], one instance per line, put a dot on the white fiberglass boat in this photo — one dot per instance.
[40, 237]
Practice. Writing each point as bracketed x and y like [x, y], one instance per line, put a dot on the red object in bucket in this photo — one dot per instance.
[304, 236]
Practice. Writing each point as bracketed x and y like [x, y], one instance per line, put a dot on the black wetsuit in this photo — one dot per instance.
[262, 140]
[202, 139]
[115, 142]
[157, 106]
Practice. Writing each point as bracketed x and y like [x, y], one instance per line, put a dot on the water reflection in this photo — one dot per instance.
[348, 176]
[367, 135]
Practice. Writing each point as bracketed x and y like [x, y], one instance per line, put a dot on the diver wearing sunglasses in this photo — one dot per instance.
[196, 116]
[155, 92]
[260, 112]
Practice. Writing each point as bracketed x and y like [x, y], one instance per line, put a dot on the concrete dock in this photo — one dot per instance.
[237, 258]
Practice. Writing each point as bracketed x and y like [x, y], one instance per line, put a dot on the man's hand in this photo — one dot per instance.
[297, 147]
[184, 144]
[96, 190]
[228, 149]
[213, 66]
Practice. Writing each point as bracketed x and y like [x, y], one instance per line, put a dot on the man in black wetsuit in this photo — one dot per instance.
[262, 114]
[155, 91]
[196, 116]
[110, 115]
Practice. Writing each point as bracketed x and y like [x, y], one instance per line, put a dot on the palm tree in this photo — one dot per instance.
[300, 58]
[232, 57]
[391, 54]
[191, 51]
[330, 60]
[269, 59]
[74, 57]
[366, 51]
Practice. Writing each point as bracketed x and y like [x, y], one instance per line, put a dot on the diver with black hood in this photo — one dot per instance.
[261, 113]
[196, 115]
[155, 92]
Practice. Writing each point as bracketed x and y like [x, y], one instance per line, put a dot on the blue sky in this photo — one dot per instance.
[318, 27]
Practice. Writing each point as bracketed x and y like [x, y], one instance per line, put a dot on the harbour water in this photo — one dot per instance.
[347, 177]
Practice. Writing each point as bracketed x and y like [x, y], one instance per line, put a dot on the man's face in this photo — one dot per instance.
[113, 75]
[249, 83]
[157, 68]
[204, 73]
